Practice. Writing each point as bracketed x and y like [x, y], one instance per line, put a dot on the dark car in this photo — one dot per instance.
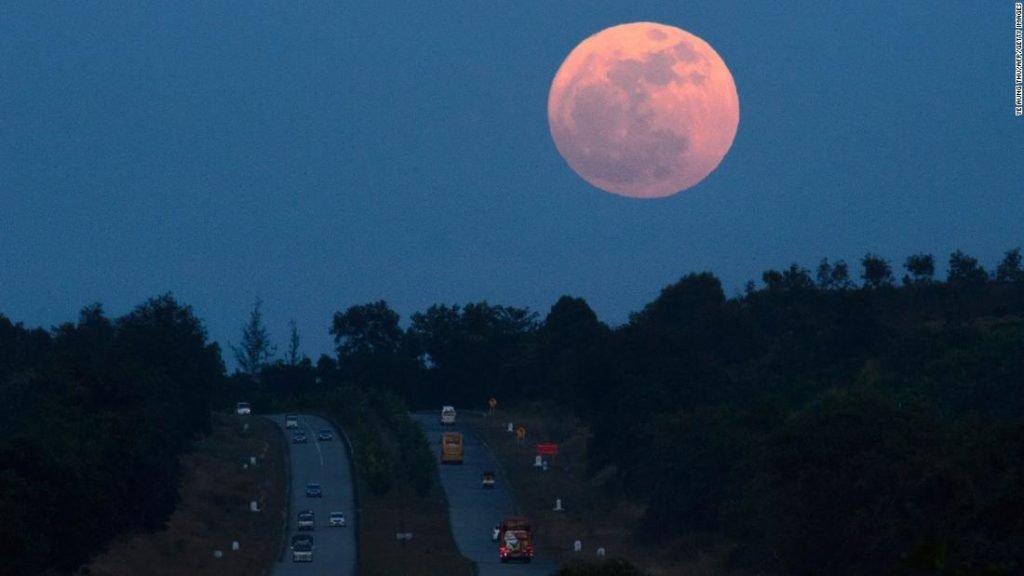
[302, 548]
[307, 520]
[324, 435]
[313, 490]
[299, 438]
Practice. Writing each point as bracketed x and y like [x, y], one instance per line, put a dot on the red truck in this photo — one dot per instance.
[514, 539]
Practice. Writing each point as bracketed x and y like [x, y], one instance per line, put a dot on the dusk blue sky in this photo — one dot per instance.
[319, 155]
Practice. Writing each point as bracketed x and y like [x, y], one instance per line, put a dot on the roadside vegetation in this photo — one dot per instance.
[218, 484]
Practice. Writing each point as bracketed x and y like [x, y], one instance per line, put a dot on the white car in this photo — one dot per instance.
[448, 416]
[242, 408]
[291, 421]
[337, 520]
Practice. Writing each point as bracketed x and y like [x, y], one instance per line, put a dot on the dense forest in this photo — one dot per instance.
[93, 419]
[818, 422]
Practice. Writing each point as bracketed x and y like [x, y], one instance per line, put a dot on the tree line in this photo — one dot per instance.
[94, 418]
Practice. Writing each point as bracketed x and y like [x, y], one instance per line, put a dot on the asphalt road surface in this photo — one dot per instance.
[327, 463]
[474, 510]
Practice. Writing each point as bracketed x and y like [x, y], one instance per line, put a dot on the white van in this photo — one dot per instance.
[448, 416]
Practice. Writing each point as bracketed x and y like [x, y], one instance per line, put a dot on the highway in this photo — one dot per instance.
[327, 463]
[474, 510]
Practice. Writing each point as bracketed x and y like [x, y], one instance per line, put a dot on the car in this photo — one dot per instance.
[487, 480]
[324, 435]
[302, 548]
[242, 409]
[307, 520]
[448, 416]
[291, 421]
[299, 437]
[337, 520]
[313, 490]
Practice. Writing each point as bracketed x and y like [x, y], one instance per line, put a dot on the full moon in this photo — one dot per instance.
[643, 110]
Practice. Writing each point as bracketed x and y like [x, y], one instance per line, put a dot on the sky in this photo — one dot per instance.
[324, 154]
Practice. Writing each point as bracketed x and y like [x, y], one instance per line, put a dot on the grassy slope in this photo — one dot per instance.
[431, 551]
[213, 510]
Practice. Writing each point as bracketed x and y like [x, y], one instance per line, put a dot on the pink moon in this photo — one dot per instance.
[643, 110]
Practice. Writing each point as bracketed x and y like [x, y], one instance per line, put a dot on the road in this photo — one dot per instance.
[326, 463]
[473, 510]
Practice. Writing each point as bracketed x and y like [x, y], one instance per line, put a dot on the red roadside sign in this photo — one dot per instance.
[547, 449]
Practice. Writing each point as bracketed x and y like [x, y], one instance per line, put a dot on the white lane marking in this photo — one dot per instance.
[318, 451]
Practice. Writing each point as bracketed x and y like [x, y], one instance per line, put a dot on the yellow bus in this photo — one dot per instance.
[451, 448]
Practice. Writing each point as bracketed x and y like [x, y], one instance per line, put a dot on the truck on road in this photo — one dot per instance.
[451, 448]
[515, 540]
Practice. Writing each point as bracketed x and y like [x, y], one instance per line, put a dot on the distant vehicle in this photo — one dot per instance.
[451, 448]
[313, 490]
[324, 435]
[515, 540]
[487, 480]
[299, 437]
[302, 548]
[337, 520]
[242, 409]
[291, 421]
[307, 520]
[448, 416]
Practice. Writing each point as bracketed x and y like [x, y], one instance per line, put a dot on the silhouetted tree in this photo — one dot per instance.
[293, 344]
[964, 270]
[833, 276]
[876, 271]
[366, 330]
[474, 351]
[256, 349]
[1009, 268]
[920, 269]
[571, 354]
